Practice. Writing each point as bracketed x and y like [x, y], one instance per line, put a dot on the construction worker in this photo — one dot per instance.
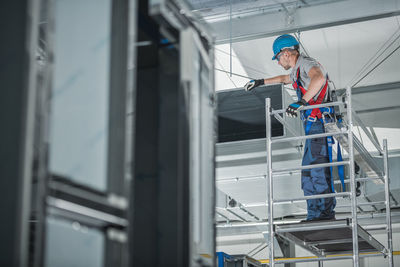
[310, 81]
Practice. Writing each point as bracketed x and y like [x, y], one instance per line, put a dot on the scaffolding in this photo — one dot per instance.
[325, 244]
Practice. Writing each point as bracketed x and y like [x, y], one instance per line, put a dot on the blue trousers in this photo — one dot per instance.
[318, 180]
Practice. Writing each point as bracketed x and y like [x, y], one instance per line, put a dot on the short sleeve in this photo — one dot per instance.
[309, 63]
[293, 75]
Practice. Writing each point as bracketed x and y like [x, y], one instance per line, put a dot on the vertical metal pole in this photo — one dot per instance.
[230, 38]
[387, 201]
[270, 181]
[18, 83]
[354, 222]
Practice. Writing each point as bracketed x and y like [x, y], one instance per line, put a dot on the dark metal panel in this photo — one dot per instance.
[118, 95]
[121, 96]
[159, 233]
[241, 114]
[145, 192]
[160, 197]
[161, 204]
[19, 20]
[173, 165]
[144, 195]
[123, 58]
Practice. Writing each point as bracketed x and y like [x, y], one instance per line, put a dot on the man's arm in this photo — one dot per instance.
[277, 79]
[316, 82]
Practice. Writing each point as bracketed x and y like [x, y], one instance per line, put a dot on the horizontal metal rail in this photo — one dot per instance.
[364, 204]
[251, 177]
[362, 179]
[328, 258]
[311, 227]
[264, 204]
[369, 179]
[313, 166]
[295, 138]
[364, 217]
[70, 207]
[289, 200]
[329, 242]
[255, 177]
[372, 203]
[330, 104]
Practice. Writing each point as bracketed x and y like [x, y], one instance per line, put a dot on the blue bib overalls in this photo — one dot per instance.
[318, 180]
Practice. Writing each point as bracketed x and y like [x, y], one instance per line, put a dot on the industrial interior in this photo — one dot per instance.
[152, 133]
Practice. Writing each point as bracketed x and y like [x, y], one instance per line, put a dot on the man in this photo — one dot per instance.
[310, 81]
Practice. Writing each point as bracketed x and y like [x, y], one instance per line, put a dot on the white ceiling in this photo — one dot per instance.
[342, 50]
[219, 10]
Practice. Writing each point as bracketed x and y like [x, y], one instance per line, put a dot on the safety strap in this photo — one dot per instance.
[341, 167]
[310, 119]
[330, 143]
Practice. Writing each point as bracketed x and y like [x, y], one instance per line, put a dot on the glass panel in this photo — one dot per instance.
[79, 115]
[70, 244]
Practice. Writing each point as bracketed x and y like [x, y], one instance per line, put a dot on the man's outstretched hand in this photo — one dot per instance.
[252, 84]
[291, 110]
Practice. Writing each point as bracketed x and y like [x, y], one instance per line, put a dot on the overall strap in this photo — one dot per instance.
[301, 91]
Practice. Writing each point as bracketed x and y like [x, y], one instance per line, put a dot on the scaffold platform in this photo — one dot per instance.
[323, 238]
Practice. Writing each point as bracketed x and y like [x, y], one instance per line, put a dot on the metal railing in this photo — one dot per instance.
[352, 180]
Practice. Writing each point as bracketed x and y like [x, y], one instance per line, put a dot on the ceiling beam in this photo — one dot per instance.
[371, 88]
[304, 19]
[376, 87]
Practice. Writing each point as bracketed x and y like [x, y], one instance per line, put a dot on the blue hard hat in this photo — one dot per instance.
[284, 41]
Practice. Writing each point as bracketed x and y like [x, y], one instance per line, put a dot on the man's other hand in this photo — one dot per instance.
[291, 110]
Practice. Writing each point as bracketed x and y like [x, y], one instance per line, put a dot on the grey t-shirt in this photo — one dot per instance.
[305, 64]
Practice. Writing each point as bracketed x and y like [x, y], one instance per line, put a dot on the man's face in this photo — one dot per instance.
[283, 59]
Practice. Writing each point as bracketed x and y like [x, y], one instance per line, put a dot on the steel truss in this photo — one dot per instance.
[353, 221]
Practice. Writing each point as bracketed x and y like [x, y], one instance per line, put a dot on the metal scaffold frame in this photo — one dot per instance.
[347, 103]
